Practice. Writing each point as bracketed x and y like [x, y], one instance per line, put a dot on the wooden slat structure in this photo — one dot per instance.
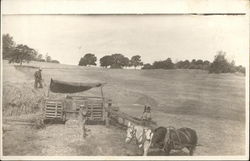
[53, 109]
[96, 109]
[95, 106]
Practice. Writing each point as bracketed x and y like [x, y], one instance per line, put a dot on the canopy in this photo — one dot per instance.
[71, 87]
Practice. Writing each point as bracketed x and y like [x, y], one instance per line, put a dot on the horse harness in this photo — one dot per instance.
[176, 144]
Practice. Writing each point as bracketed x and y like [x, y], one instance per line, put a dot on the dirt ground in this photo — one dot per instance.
[66, 140]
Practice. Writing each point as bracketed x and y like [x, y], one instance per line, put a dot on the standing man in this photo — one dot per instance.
[83, 112]
[38, 78]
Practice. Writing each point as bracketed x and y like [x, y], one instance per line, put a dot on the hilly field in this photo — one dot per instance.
[212, 104]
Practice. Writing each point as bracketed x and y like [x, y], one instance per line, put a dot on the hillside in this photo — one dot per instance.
[214, 105]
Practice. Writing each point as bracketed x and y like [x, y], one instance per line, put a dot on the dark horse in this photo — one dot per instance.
[170, 138]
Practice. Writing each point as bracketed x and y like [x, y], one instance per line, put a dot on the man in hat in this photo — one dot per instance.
[38, 78]
[83, 112]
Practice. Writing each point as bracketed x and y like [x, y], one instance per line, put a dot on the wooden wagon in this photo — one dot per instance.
[67, 108]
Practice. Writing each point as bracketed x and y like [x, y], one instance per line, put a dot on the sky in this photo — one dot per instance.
[154, 37]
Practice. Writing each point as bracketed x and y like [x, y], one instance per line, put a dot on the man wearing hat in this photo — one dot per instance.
[38, 78]
[83, 112]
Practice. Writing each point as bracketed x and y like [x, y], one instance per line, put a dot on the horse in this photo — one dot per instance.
[175, 139]
[143, 136]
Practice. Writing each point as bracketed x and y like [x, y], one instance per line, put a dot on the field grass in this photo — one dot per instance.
[212, 104]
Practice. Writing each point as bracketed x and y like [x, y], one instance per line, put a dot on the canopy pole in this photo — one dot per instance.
[102, 93]
[48, 93]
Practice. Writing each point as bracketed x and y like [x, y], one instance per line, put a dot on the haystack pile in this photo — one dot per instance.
[22, 99]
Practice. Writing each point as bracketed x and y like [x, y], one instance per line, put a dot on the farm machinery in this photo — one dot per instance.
[68, 107]
[100, 109]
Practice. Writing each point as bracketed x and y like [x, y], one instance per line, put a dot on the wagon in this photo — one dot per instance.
[68, 107]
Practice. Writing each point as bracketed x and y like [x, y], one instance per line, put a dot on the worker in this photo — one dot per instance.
[146, 116]
[38, 78]
[148, 113]
[83, 112]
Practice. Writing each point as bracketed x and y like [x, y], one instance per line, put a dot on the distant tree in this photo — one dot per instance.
[48, 58]
[42, 60]
[106, 61]
[169, 64]
[8, 46]
[221, 64]
[240, 69]
[39, 56]
[125, 62]
[88, 59]
[119, 61]
[55, 61]
[136, 61]
[166, 64]
[206, 65]
[179, 65]
[158, 65]
[199, 64]
[147, 66]
[186, 64]
[21, 54]
[192, 64]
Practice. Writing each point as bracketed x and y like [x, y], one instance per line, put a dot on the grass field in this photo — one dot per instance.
[212, 104]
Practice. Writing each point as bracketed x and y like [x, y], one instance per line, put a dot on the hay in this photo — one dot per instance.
[22, 99]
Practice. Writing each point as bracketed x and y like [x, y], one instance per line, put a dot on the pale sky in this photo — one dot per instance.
[155, 37]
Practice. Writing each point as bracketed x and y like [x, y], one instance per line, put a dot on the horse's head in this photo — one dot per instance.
[130, 132]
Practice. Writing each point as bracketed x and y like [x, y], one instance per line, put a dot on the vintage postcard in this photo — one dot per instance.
[125, 80]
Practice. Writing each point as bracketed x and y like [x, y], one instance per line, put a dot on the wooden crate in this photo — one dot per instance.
[96, 109]
[53, 109]
[95, 105]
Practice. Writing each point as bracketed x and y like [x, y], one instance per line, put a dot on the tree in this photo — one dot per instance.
[221, 64]
[169, 64]
[206, 65]
[106, 61]
[166, 64]
[39, 56]
[186, 64]
[147, 66]
[55, 61]
[47, 58]
[8, 46]
[22, 53]
[136, 61]
[119, 61]
[88, 59]
[125, 62]
[241, 69]
[192, 64]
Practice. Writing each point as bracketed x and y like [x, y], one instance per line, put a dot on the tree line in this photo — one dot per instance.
[113, 61]
[20, 53]
[219, 65]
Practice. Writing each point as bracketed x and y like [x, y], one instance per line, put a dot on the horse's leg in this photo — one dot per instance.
[167, 149]
[146, 148]
[191, 150]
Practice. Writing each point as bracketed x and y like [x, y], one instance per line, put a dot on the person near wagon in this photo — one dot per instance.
[38, 78]
[83, 112]
[146, 116]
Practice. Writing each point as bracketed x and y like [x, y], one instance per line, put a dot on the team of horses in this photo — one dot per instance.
[164, 138]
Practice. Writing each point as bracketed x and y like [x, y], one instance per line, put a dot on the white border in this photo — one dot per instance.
[10, 7]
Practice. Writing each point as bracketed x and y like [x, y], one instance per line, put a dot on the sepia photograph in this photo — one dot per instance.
[124, 84]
